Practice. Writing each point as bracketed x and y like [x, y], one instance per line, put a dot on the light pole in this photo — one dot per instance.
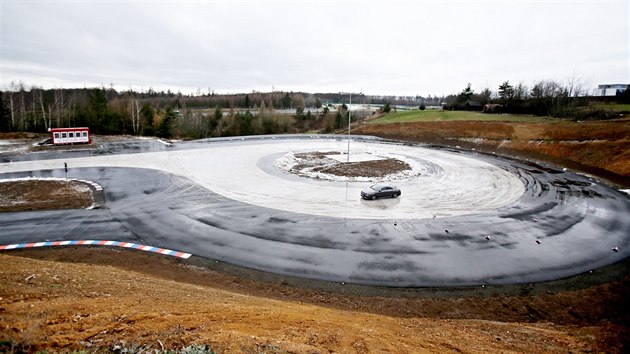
[349, 120]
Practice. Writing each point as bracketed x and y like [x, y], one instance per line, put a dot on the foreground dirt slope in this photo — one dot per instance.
[599, 147]
[50, 301]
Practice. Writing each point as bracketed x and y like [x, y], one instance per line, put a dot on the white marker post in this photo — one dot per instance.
[349, 121]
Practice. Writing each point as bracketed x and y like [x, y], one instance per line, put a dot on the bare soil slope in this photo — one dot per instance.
[96, 298]
[601, 148]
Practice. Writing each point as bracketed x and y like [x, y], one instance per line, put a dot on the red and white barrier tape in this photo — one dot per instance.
[135, 246]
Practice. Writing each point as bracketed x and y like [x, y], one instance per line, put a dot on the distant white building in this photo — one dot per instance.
[611, 90]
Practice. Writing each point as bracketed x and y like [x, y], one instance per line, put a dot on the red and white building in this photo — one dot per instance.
[61, 136]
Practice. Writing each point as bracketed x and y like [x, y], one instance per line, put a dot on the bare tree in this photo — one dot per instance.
[11, 90]
[41, 103]
[575, 87]
[298, 101]
[50, 114]
[59, 106]
[520, 92]
[135, 115]
[22, 107]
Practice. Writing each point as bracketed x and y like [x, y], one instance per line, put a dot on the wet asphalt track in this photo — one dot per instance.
[563, 224]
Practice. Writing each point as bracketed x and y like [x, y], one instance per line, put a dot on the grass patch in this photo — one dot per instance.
[438, 116]
[612, 107]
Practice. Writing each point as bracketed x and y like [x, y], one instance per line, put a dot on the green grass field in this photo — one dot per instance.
[433, 116]
[613, 107]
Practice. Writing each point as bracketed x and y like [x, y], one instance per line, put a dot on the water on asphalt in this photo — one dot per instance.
[470, 219]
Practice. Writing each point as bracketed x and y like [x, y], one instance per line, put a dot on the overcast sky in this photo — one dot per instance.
[375, 47]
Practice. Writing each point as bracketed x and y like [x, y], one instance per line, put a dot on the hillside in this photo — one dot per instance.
[601, 148]
[98, 299]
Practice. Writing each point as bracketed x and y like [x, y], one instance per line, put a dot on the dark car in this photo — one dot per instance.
[379, 191]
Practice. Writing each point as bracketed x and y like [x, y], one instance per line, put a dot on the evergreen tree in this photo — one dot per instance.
[165, 129]
[146, 112]
[244, 123]
[286, 101]
[218, 113]
[506, 92]
[338, 120]
[247, 102]
[5, 116]
[96, 115]
[216, 122]
[467, 92]
[299, 113]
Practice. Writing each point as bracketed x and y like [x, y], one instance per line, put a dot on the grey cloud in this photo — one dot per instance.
[382, 48]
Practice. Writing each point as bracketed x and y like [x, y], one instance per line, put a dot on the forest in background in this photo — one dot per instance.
[169, 114]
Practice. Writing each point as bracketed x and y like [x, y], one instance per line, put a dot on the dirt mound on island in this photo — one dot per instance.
[44, 194]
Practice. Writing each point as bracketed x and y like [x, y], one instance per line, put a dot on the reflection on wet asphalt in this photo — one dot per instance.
[563, 224]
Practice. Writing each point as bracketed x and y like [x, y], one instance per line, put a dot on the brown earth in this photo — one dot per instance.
[601, 148]
[23, 135]
[319, 161]
[96, 298]
[24, 195]
[99, 299]
[375, 168]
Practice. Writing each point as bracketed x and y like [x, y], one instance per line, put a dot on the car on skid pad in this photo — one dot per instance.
[380, 190]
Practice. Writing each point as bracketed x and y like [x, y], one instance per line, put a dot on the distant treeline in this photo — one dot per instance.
[168, 114]
[544, 98]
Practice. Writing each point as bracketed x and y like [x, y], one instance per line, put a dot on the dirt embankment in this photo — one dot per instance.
[601, 148]
[96, 298]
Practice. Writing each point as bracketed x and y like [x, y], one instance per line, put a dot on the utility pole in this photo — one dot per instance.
[349, 120]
